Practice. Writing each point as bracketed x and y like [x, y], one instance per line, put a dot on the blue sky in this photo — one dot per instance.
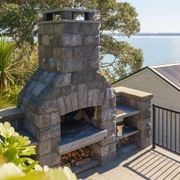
[158, 15]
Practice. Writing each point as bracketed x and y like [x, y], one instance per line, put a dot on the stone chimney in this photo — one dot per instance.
[67, 80]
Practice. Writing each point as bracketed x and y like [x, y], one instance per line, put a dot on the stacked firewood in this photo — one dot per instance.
[76, 157]
[125, 140]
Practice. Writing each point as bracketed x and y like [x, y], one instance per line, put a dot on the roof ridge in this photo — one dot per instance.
[165, 78]
[165, 65]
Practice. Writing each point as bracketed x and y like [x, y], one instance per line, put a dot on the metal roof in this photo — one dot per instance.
[170, 72]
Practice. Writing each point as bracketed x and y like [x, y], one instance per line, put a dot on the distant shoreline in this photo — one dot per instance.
[157, 34]
[147, 34]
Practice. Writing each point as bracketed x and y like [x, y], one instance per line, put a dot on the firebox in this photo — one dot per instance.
[67, 103]
[76, 121]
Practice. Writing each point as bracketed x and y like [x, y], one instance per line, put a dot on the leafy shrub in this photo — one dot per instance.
[10, 171]
[9, 97]
[15, 161]
[16, 148]
[27, 56]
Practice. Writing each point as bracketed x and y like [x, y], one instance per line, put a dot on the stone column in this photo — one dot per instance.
[45, 127]
[105, 150]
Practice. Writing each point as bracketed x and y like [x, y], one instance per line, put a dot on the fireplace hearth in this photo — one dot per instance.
[79, 139]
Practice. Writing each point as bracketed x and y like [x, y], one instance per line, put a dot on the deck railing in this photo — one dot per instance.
[166, 128]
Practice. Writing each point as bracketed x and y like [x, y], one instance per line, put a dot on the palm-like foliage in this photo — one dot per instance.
[16, 65]
[6, 62]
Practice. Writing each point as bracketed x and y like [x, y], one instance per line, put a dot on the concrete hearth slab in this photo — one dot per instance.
[87, 136]
[83, 167]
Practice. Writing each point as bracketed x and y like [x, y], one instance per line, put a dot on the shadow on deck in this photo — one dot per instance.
[155, 164]
[139, 164]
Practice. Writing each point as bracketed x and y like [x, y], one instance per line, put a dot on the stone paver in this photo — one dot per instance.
[152, 164]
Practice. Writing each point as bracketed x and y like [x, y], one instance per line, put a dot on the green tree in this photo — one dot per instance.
[19, 19]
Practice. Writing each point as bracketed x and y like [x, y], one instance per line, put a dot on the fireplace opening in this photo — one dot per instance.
[77, 121]
[80, 129]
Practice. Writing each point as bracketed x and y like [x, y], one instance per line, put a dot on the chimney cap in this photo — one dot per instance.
[75, 10]
[69, 13]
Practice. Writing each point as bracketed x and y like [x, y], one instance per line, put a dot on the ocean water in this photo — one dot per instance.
[157, 50]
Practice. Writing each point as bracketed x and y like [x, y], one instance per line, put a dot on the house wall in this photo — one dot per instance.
[164, 94]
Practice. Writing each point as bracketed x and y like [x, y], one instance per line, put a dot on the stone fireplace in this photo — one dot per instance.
[67, 103]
